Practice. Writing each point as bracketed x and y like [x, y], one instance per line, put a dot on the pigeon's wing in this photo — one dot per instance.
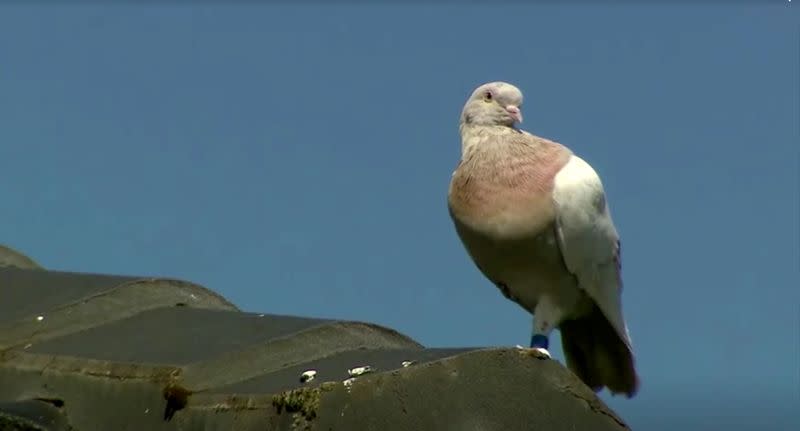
[588, 240]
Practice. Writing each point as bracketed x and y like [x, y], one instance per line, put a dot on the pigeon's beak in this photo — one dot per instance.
[515, 113]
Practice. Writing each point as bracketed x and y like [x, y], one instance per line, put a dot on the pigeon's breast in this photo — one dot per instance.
[503, 196]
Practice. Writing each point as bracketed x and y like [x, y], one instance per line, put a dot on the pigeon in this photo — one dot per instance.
[533, 218]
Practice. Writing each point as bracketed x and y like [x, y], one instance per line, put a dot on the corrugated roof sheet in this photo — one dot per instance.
[99, 352]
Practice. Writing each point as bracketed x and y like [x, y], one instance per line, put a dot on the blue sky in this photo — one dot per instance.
[296, 159]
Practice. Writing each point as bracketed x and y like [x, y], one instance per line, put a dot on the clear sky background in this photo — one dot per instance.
[296, 160]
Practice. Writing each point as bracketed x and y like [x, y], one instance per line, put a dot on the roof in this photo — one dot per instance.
[98, 352]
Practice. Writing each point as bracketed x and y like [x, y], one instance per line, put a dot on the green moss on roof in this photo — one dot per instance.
[303, 403]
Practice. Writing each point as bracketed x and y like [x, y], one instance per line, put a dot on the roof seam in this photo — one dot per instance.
[249, 361]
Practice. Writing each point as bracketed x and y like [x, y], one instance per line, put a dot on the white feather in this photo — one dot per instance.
[588, 239]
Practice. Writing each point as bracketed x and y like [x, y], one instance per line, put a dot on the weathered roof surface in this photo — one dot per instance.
[11, 257]
[98, 352]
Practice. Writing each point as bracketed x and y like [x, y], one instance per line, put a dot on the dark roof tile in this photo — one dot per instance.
[158, 354]
[33, 415]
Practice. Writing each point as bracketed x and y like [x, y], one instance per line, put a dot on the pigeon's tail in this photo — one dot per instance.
[597, 355]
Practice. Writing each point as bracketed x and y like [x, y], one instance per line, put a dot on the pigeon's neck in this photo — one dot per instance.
[494, 147]
[474, 136]
[469, 129]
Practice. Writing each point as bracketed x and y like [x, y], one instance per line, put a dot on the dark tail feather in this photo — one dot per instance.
[597, 355]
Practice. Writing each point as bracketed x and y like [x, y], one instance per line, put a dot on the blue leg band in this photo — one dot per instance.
[538, 340]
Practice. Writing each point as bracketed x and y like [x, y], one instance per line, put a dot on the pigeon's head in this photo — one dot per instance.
[493, 104]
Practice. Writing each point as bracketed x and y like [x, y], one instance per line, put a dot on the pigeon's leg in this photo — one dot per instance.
[546, 316]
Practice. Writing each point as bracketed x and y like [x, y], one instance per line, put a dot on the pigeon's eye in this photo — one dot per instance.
[487, 97]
